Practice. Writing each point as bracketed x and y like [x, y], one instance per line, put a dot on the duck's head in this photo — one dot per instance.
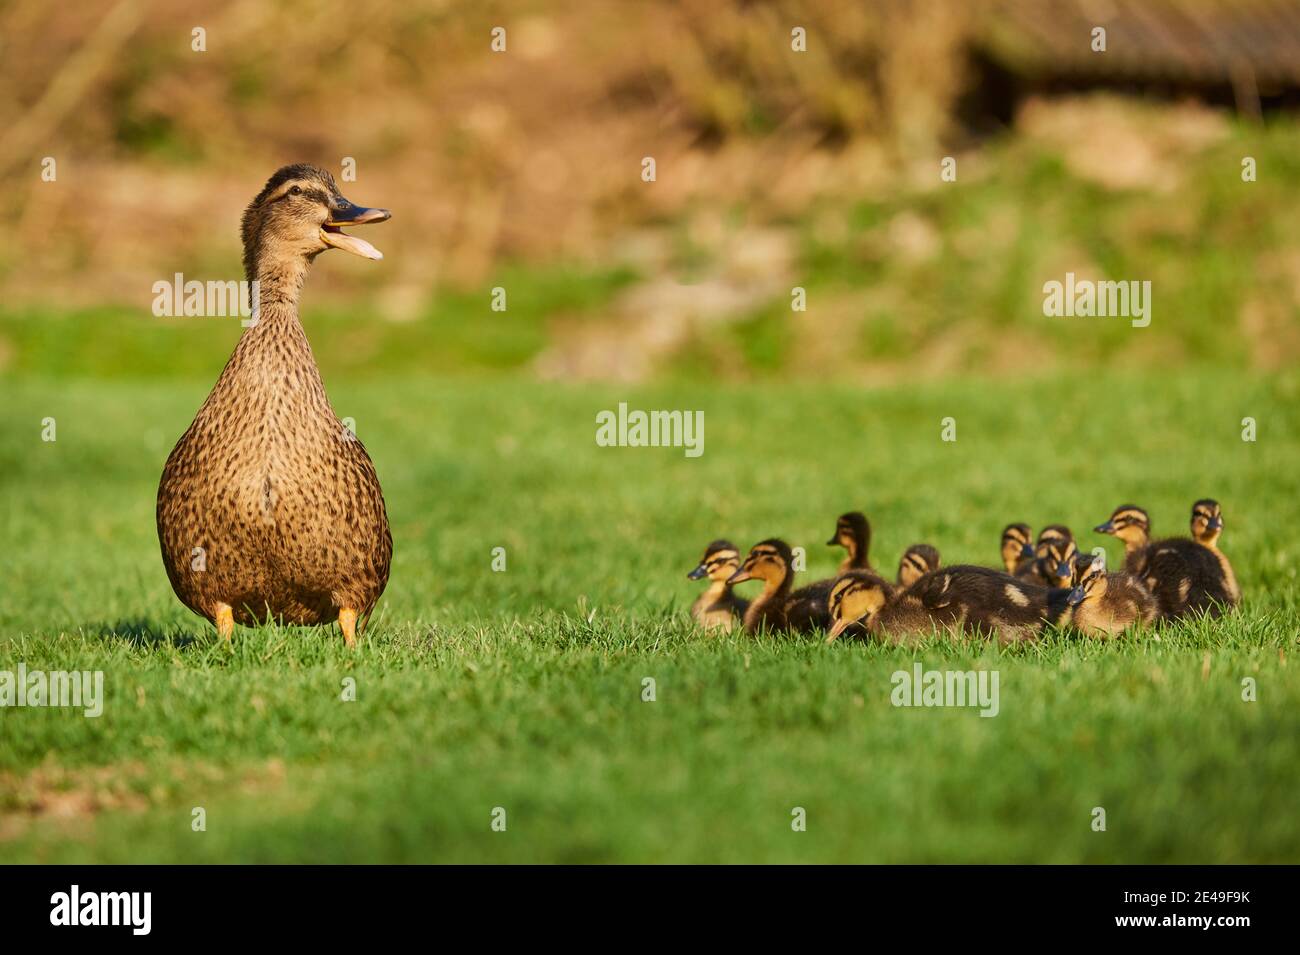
[853, 533]
[298, 215]
[1058, 557]
[917, 560]
[1091, 585]
[1207, 522]
[1017, 545]
[1083, 564]
[1050, 533]
[768, 561]
[1130, 524]
[721, 559]
[855, 599]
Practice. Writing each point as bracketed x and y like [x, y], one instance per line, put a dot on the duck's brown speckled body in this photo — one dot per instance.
[269, 508]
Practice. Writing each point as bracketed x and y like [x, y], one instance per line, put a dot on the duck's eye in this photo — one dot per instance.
[295, 191]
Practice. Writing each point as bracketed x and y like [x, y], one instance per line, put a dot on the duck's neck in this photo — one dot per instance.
[273, 355]
[1138, 542]
[716, 591]
[277, 283]
[773, 588]
[859, 548]
[274, 333]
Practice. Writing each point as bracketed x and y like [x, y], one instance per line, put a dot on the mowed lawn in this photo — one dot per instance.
[523, 689]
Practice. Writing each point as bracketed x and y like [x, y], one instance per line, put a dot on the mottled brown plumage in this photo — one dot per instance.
[269, 508]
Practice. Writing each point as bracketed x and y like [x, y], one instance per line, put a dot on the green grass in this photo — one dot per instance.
[523, 689]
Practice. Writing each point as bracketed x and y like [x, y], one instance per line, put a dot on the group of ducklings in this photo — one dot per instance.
[1045, 583]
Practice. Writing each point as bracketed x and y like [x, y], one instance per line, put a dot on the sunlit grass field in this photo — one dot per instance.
[523, 689]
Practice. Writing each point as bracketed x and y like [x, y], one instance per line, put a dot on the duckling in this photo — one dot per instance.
[778, 607]
[862, 604]
[1053, 561]
[280, 499]
[916, 560]
[1131, 525]
[853, 533]
[1105, 605]
[1016, 546]
[718, 607]
[1207, 525]
[1185, 576]
[964, 598]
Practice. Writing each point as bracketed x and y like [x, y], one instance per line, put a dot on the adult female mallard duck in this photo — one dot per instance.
[269, 508]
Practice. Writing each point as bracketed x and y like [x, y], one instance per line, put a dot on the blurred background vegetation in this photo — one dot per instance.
[775, 169]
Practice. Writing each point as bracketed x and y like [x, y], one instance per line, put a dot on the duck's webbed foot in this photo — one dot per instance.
[348, 624]
[225, 620]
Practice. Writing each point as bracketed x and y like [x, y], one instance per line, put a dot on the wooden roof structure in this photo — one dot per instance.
[1250, 45]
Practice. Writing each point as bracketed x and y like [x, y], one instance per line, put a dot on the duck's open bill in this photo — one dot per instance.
[837, 628]
[349, 214]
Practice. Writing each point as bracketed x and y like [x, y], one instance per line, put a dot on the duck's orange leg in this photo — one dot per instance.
[225, 622]
[348, 624]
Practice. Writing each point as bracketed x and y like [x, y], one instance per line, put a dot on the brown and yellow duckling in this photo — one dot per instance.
[1207, 525]
[279, 500]
[1184, 575]
[917, 560]
[780, 607]
[853, 533]
[1053, 562]
[718, 608]
[1105, 605]
[964, 598]
[1017, 546]
[863, 605]
[1132, 526]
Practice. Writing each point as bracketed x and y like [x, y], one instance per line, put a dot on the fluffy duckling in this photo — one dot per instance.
[1105, 605]
[1185, 576]
[1131, 525]
[1053, 562]
[917, 560]
[779, 607]
[718, 607]
[853, 533]
[977, 600]
[1017, 546]
[862, 604]
[1207, 525]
